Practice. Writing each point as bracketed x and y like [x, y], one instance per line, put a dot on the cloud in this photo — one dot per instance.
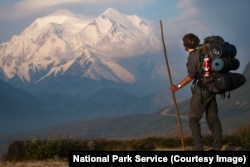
[188, 21]
[27, 8]
[227, 18]
[188, 9]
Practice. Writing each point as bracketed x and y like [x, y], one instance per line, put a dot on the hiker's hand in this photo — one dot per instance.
[174, 88]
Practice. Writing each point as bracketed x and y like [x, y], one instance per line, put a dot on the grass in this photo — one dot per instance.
[57, 148]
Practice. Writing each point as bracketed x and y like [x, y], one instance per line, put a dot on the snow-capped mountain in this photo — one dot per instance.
[65, 43]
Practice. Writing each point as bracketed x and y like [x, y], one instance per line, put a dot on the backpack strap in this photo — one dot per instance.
[223, 95]
[201, 57]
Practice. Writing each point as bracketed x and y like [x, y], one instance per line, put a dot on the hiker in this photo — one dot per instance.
[202, 100]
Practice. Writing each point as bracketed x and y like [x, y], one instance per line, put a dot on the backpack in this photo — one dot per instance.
[217, 60]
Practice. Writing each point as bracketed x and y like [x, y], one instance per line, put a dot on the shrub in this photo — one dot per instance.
[52, 148]
[245, 138]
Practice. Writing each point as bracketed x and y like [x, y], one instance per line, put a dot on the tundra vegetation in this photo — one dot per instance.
[57, 148]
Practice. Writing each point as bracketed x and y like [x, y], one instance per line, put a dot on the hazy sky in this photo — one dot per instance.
[228, 18]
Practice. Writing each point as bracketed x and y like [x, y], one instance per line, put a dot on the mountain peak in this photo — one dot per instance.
[51, 45]
[111, 12]
[61, 12]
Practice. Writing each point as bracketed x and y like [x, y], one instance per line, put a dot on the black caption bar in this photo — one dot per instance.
[149, 158]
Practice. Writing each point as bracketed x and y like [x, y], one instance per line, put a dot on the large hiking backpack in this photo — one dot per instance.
[217, 61]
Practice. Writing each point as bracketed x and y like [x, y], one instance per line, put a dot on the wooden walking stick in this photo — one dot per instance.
[171, 83]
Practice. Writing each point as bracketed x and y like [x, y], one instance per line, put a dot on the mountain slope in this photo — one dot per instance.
[64, 43]
[18, 109]
[233, 112]
[11, 94]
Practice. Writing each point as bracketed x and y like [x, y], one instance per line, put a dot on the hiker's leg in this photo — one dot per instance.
[195, 114]
[214, 124]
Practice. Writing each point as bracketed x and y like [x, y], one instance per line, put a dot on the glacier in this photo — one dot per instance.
[64, 43]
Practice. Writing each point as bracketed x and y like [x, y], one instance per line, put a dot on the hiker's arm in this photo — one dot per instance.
[184, 82]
